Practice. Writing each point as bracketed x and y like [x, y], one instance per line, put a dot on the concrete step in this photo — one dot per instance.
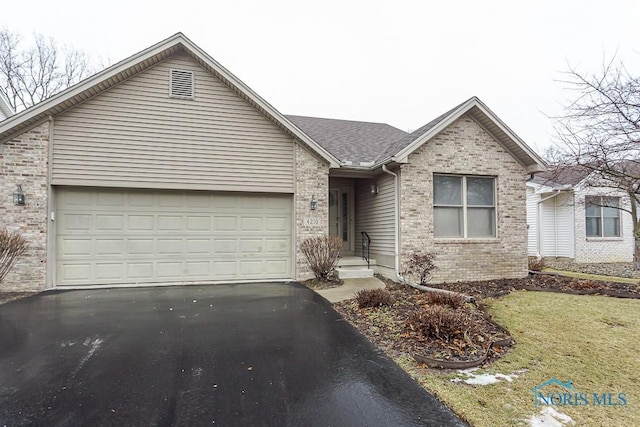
[353, 261]
[354, 273]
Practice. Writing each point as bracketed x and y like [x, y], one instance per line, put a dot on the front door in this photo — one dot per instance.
[341, 217]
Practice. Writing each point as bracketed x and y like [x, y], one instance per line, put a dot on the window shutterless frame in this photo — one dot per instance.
[602, 217]
[468, 196]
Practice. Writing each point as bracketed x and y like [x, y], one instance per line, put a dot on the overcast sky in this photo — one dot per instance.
[398, 62]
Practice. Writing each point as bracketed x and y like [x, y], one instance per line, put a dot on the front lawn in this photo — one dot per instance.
[593, 341]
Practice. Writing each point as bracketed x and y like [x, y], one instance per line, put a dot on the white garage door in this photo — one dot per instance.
[123, 237]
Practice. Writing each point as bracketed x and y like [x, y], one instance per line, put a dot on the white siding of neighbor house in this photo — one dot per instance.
[556, 226]
[376, 216]
[135, 135]
[532, 221]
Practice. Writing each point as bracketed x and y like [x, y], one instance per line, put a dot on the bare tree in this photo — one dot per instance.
[30, 74]
[600, 130]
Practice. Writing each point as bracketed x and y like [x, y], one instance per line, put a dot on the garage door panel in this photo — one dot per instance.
[251, 268]
[109, 246]
[75, 222]
[111, 271]
[198, 246]
[132, 236]
[140, 270]
[198, 223]
[110, 223]
[76, 247]
[277, 246]
[225, 223]
[141, 222]
[276, 267]
[168, 246]
[170, 223]
[251, 224]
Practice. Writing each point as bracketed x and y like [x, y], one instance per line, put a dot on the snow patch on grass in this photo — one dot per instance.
[485, 379]
[549, 417]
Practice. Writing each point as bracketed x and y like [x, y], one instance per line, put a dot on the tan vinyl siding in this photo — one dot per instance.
[136, 135]
[376, 216]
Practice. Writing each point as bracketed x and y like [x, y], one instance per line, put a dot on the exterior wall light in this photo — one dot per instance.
[314, 203]
[374, 189]
[18, 196]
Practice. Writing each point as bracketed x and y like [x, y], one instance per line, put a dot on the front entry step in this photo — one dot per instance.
[352, 267]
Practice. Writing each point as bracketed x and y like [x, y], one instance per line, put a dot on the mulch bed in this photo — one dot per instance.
[387, 327]
[317, 284]
[542, 282]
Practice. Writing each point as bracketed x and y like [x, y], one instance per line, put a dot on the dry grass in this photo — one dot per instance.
[592, 340]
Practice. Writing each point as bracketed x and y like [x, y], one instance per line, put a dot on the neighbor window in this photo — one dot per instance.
[603, 216]
[464, 206]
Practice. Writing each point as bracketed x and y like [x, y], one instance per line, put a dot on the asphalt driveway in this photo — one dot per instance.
[252, 354]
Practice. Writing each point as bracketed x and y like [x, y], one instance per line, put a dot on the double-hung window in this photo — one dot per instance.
[602, 216]
[464, 206]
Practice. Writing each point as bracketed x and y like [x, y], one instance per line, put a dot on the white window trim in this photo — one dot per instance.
[193, 84]
[464, 208]
[602, 237]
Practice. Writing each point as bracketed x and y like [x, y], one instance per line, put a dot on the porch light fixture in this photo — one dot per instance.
[314, 202]
[374, 189]
[18, 196]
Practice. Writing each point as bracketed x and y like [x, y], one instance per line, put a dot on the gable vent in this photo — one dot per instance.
[181, 85]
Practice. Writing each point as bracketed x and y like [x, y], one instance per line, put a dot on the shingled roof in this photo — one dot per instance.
[566, 176]
[365, 144]
[350, 141]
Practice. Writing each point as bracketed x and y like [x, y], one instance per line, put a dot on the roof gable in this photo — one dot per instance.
[485, 118]
[133, 65]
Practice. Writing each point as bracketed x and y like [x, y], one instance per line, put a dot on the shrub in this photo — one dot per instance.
[420, 266]
[322, 254]
[445, 298]
[537, 263]
[373, 298]
[12, 246]
[440, 322]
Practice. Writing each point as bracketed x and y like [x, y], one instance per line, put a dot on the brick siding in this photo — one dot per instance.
[312, 180]
[607, 249]
[24, 161]
[465, 148]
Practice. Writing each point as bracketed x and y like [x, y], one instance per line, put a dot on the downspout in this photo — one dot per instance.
[397, 244]
[397, 219]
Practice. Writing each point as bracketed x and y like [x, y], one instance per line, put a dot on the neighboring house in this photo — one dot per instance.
[166, 168]
[5, 107]
[569, 217]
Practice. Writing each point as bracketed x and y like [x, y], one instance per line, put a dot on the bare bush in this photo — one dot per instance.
[420, 267]
[322, 254]
[12, 246]
[441, 322]
[537, 263]
[373, 298]
[450, 299]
